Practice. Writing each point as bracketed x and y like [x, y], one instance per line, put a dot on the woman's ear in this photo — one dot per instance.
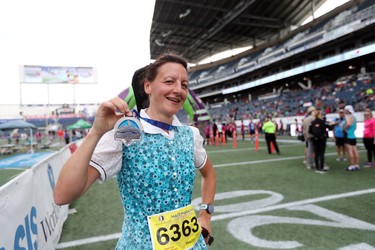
[147, 87]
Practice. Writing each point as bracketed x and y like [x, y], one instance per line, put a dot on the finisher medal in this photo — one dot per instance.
[128, 130]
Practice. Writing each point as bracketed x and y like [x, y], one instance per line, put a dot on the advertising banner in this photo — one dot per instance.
[50, 74]
[29, 218]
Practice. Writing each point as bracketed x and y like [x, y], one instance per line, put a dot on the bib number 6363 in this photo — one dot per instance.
[176, 229]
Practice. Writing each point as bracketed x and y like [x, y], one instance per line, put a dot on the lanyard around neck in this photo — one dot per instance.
[162, 125]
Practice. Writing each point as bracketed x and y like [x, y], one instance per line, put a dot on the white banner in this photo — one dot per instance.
[29, 218]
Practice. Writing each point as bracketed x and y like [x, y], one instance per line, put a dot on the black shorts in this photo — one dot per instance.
[340, 141]
[352, 142]
[252, 132]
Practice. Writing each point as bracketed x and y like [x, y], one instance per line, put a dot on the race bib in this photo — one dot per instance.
[174, 230]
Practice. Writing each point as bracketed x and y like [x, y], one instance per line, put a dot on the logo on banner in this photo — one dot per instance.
[51, 177]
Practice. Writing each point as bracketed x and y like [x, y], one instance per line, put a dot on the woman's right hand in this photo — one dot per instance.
[108, 114]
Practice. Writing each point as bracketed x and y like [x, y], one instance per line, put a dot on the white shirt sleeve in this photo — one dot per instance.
[200, 154]
[107, 156]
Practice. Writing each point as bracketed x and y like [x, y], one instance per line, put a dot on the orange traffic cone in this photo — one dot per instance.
[217, 139]
[272, 148]
[256, 141]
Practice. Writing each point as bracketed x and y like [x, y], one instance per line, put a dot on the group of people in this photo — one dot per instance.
[315, 131]
[218, 130]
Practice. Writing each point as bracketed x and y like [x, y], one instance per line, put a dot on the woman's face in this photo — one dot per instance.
[168, 91]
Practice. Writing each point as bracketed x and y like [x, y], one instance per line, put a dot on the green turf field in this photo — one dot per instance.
[263, 202]
[278, 203]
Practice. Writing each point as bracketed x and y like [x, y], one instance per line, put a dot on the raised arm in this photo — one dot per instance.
[76, 176]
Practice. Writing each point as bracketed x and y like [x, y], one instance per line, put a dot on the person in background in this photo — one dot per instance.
[252, 127]
[214, 130]
[156, 172]
[369, 138]
[16, 135]
[349, 127]
[338, 136]
[269, 129]
[242, 130]
[319, 131]
[207, 131]
[66, 136]
[220, 130]
[281, 129]
[9, 138]
[225, 131]
[38, 137]
[309, 152]
[60, 134]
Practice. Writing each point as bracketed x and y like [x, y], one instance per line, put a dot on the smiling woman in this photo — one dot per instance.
[155, 171]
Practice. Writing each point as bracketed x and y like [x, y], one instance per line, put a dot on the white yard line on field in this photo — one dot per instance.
[263, 161]
[292, 204]
[88, 240]
[229, 215]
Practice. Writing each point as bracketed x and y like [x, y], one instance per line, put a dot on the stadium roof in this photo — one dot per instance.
[199, 29]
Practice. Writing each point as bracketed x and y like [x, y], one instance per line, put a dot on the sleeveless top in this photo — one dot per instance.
[350, 130]
[157, 175]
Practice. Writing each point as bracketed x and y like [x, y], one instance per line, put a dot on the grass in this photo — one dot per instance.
[99, 211]
[287, 177]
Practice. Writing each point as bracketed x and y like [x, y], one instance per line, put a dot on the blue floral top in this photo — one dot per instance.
[157, 176]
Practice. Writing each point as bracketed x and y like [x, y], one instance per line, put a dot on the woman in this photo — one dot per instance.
[369, 138]
[350, 125]
[319, 131]
[155, 172]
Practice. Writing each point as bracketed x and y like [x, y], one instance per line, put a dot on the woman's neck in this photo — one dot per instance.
[158, 116]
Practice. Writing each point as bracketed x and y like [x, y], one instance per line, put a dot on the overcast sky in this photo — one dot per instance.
[111, 35]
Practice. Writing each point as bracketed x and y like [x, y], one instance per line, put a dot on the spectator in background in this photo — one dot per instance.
[319, 131]
[60, 134]
[260, 126]
[220, 130]
[16, 135]
[9, 138]
[308, 137]
[38, 137]
[207, 131]
[338, 136]
[281, 129]
[66, 136]
[350, 125]
[252, 127]
[369, 138]
[242, 130]
[214, 129]
[269, 129]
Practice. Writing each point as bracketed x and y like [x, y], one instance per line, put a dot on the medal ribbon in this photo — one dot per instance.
[162, 125]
